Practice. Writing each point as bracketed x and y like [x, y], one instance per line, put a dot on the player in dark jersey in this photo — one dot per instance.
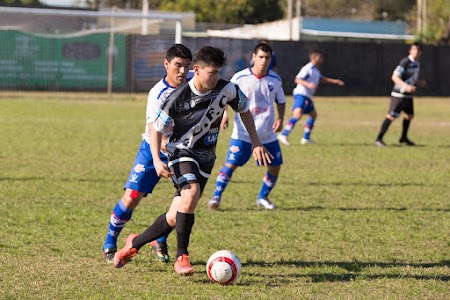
[143, 178]
[405, 78]
[191, 117]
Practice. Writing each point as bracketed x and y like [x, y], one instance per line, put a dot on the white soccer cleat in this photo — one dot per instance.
[214, 203]
[307, 141]
[283, 139]
[265, 202]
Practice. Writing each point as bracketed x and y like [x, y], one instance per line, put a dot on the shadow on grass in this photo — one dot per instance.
[316, 208]
[355, 270]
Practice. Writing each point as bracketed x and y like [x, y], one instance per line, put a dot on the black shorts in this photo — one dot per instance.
[190, 167]
[401, 104]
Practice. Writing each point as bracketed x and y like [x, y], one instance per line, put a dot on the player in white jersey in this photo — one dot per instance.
[263, 87]
[307, 81]
[192, 115]
[143, 177]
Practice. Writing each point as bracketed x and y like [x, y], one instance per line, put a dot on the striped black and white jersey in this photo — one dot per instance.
[408, 70]
[192, 119]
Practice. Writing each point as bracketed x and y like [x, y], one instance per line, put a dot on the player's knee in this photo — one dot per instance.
[131, 199]
[392, 117]
[409, 117]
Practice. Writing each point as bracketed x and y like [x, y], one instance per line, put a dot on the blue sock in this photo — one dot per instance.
[267, 186]
[163, 239]
[308, 128]
[119, 217]
[289, 126]
[222, 181]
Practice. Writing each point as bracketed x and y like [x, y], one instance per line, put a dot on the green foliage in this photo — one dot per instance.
[233, 11]
[353, 221]
[438, 30]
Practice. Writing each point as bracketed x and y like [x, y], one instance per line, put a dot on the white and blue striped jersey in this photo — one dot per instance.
[263, 93]
[308, 73]
[156, 98]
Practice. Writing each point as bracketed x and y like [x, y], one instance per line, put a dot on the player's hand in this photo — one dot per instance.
[277, 125]
[340, 82]
[224, 123]
[410, 89]
[262, 156]
[311, 85]
[162, 170]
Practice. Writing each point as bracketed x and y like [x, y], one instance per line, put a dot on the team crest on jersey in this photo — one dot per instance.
[139, 168]
[242, 99]
[270, 86]
[234, 149]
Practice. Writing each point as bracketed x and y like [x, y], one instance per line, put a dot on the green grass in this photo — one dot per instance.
[354, 221]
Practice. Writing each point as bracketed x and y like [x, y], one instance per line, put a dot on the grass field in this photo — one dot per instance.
[354, 221]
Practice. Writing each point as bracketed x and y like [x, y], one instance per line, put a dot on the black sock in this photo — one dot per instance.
[158, 229]
[184, 228]
[406, 123]
[384, 128]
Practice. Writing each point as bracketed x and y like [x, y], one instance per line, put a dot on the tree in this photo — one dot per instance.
[231, 11]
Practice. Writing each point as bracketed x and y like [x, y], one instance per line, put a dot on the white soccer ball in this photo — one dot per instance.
[223, 267]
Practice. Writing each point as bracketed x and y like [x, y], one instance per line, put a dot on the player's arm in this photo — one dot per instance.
[278, 124]
[335, 81]
[404, 87]
[225, 121]
[309, 85]
[260, 153]
[155, 147]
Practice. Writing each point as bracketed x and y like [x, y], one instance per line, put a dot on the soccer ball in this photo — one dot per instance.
[223, 267]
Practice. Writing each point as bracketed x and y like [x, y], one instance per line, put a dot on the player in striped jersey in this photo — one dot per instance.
[143, 177]
[307, 81]
[191, 116]
[405, 77]
[263, 87]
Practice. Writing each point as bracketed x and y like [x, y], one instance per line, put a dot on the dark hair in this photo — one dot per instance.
[416, 44]
[265, 47]
[210, 56]
[178, 50]
[315, 51]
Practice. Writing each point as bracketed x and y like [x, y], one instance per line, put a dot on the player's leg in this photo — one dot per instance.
[191, 180]
[270, 178]
[163, 225]
[408, 108]
[239, 153]
[297, 112]
[394, 112]
[120, 215]
[309, 125]
[141, 181]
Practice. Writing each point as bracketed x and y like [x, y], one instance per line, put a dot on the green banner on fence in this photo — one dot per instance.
[81, 62]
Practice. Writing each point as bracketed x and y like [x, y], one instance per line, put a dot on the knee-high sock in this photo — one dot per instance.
[308, 128]
[267, 186]
[289, 126]
[158, 229]
[184, 228]
[222, 181]
[119, 217]
[384, 128]
[406, 123]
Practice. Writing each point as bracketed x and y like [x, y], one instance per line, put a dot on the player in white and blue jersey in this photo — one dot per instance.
[307, 81]
[143, 178]
[263, 87]
[405, 78]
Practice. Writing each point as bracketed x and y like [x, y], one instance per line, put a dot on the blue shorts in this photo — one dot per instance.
[143, 177]
[239, 152]
[303, 102]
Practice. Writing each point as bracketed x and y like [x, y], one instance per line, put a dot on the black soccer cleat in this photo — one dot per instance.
[406, 141]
